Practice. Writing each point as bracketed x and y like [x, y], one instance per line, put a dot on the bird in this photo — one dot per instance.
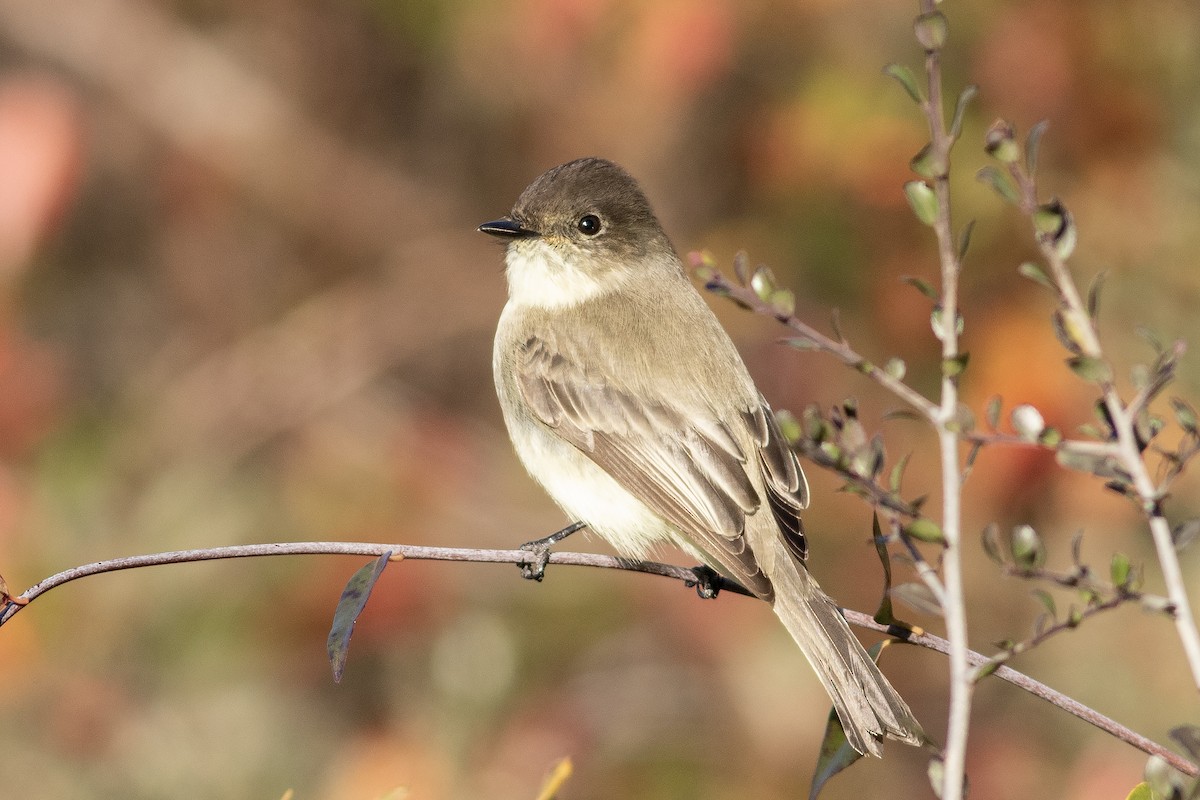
[626, 400]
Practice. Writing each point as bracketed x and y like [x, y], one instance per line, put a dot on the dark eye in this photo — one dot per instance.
[589, 224]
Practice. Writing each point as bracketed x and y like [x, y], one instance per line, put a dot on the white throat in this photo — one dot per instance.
[539, 275]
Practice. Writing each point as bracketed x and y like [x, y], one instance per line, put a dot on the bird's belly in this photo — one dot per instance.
[587, 493]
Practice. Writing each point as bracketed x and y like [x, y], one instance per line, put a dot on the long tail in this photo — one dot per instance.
[867, 705]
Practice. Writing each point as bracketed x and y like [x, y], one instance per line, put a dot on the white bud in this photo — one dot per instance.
[1027, 422]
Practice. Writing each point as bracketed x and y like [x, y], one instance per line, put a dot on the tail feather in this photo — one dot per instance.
[867, 705]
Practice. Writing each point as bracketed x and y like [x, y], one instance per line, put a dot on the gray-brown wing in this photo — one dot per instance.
[690, 469]
[787, 488]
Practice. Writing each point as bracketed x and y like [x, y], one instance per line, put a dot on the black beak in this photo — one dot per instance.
[507, 228]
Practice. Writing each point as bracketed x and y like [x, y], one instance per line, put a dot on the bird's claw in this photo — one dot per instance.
[707, 583]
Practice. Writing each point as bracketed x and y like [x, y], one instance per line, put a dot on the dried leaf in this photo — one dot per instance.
[964, 240]
[992, 415]
[741, 267]
[1185, 533]
[350, 605]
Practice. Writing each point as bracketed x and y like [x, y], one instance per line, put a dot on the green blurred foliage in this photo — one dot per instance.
[243, 300]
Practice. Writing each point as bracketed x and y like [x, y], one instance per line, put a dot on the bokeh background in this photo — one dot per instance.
[242, 299]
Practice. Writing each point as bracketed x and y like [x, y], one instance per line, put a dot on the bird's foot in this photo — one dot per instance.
[535, 569]
[708, 582]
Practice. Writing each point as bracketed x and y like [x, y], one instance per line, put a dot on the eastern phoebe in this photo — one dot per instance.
[629, 404]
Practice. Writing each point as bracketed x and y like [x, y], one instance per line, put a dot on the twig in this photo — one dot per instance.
[931, 32]
[1036, 688]
[684, 574]
[1121, 417]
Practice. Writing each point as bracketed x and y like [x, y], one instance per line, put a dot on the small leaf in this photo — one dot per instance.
[350, 605]
[923, 201]
[884, 615]
[964, 240]
[926, 164]
[1093, 296]
[741, 267]
[904, 76]
[999, 182]
[921, 285]
[1047, 602]
[1077, 549]
[1185, 533]
[783, 302]
[1188, 737]
[960, 109]
[992, 415]
[918, 597]
[1119, 570]
[1185, 415]
[1033, 143]
[1035, 273]
[801, 343]
[1095, 370]
[897, 474]
[1050, 437]
[991, 543]
[925, 530]
[937, 775]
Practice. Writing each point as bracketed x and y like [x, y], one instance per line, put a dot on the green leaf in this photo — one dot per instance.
[964, 240]
[1033, 143]
[1141, 792]
[923, 201]
[1035, 273]
[999, 182]
[350, 605]
[801, 343]
[1095, 370]
[926, 164]
[904, 76]
[921, 285]
[783, 302]
[960, 109]
[992, 415]
[897, 474]
[1119, 570]
[1093, 296]
[925, 530]
[1047, 602]
[1185, 415]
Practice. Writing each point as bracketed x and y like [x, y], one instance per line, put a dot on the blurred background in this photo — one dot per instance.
[242, 299]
